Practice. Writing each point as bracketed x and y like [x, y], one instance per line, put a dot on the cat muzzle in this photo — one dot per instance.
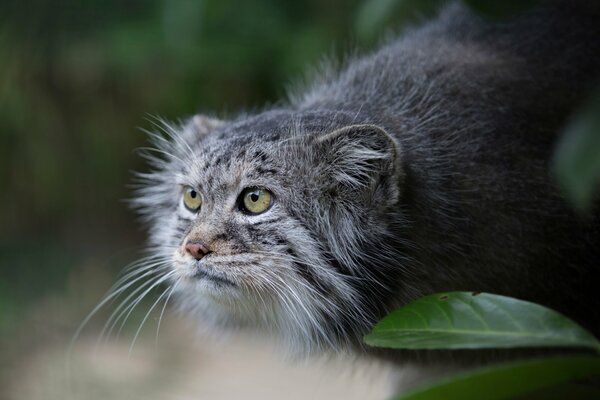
[197, 249]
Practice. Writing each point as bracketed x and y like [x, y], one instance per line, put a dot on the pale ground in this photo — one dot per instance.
[180, 366]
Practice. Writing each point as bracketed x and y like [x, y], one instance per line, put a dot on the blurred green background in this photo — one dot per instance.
[78, 79]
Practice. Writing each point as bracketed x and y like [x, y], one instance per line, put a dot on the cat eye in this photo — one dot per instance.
[255, 200]
[191, 199]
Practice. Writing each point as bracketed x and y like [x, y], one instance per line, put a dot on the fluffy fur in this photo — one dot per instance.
[423, 167]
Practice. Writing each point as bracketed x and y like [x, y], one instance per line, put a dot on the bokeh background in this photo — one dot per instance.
[78, 79]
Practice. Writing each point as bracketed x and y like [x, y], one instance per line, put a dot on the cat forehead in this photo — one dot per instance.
[228, 162]
[261, 146]
[249, 144]
[248, 149]
[274, 127]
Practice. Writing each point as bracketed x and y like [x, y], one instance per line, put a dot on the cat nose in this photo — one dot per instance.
[197, 249]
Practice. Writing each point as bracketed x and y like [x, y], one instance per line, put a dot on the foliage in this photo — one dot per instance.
[462, 320]
[577, 161]
[531, 379]
[459, 320]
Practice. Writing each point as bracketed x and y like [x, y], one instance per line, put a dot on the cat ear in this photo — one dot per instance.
[360, 157]
[199, 126]
[206, 124]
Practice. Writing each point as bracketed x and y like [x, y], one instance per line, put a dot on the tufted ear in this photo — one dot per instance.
[204, 123]
[199, 126]
[360, 157]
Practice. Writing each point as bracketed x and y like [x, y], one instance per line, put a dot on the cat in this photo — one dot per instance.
[423, 167]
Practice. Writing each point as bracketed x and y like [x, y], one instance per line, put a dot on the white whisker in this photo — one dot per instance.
[137, 332]
[164, 307]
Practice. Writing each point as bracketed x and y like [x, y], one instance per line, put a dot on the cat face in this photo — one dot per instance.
[270, 223]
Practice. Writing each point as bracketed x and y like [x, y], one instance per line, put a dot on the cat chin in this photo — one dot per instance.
[218, 302]
[219, 311]
[209, 288]
[219, 322]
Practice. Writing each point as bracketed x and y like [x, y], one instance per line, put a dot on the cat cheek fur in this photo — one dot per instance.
[360, 175]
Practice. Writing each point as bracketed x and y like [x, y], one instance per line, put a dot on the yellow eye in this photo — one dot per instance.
[256, 201]
[191, 199]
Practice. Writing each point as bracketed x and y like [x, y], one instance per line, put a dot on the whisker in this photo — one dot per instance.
[139, 329]
[114, 317]
[162, 312]
[133, 272]
[114, 292]
[134, 304]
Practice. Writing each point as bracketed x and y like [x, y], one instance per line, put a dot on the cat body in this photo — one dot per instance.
[424, 167]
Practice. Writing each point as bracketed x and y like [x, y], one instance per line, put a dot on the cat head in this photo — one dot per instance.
[277, 222]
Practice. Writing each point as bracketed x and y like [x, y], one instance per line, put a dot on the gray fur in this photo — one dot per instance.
[423, 167]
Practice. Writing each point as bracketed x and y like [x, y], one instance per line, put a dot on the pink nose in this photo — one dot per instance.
[197, 249]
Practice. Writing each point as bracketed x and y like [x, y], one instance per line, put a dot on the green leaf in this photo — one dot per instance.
[538, 379]
[577, 160]
[464, 320]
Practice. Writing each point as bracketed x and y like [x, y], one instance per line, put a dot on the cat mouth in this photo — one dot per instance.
[200, 272]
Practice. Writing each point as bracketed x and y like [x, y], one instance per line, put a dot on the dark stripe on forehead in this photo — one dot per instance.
[241, 154]
[240, 142]
[266, 171]
[259, 155]
[210, 181]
